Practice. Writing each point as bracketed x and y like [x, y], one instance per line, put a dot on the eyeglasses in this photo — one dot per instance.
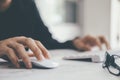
[112, 63]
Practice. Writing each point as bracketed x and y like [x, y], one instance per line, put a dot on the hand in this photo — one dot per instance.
[14, 49]
[88, 42]
[5, 4]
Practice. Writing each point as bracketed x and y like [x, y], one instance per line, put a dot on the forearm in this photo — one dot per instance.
[53, 44]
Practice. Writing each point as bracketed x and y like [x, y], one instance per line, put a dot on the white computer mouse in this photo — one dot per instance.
[43, 64]
[46, 63]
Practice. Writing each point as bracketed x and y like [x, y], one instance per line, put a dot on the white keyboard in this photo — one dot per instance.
[91, 56]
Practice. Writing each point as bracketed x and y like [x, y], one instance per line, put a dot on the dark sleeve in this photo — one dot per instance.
[42, 33]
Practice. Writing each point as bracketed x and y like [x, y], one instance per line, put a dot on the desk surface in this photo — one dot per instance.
[68, 70]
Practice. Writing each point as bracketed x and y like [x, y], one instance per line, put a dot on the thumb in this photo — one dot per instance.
[31, 55]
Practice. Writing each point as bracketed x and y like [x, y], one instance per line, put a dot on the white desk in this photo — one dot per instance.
[68, 70]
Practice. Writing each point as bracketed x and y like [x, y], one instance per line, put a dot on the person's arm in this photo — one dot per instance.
[43, 33]
[13, 48]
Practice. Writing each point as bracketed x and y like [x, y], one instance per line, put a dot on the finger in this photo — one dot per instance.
[22, 54]
[89, 40]
[43, 49]
[81, 46]
[92, 41]
[104, 41]
[31, 55]
[30, 43]
[12, 56]
[98, 43]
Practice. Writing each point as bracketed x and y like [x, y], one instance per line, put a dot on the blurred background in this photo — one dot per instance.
[67, 19]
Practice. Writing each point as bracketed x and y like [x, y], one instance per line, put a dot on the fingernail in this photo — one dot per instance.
[48, 56]
[41, 57]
